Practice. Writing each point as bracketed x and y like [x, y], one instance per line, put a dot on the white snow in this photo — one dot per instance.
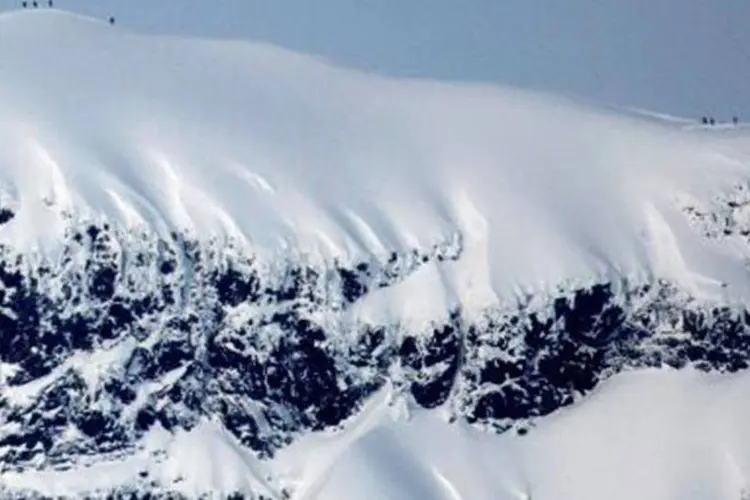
[290, 154]
[651, 435]
[406, 303]
[208, 456]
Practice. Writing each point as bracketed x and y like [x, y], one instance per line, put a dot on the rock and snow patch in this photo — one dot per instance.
[203, 461]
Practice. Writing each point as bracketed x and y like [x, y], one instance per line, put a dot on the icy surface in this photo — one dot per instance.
[229, 269]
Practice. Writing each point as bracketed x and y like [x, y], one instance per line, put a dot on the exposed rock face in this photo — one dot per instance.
[126, 332]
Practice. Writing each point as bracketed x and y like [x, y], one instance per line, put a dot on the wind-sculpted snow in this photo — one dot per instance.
[126, 333]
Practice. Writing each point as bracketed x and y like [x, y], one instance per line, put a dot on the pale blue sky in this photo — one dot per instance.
[687, 57]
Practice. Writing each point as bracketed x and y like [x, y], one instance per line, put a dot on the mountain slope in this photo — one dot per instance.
[216, 249]
[649, 435]
[273, 148]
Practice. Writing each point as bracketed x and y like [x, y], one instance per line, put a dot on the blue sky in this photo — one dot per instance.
[687, 57]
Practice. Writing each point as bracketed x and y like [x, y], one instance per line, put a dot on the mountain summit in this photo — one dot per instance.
[287, 153]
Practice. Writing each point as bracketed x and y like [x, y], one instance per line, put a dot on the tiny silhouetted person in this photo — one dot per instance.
[735, 120]
[24, 4]
[111, 20]
[712, 121]
[35, 4]
[704, 120]
[50, 4]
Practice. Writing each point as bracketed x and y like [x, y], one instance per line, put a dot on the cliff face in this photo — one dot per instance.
[127, 333]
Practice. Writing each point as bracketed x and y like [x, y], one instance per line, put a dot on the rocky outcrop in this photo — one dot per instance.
[125, 332]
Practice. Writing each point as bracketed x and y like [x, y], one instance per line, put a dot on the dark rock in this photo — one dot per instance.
[6, 215]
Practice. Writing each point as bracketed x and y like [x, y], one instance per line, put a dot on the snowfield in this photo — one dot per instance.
[648, 435]
[291, 155]
[231, 269]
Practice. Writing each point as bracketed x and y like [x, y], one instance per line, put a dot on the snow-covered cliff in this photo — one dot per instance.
[214, 251]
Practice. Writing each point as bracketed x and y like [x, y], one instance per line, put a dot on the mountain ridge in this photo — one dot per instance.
[375, 164]
[230, 243]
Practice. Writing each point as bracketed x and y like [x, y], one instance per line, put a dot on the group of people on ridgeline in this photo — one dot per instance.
[34, 4]
[710, 120]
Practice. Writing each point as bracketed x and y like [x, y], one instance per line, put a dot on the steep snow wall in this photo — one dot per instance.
[228, 243]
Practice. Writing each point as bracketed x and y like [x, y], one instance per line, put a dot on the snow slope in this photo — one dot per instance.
[229, 268]
[651, 435]
[287, 152]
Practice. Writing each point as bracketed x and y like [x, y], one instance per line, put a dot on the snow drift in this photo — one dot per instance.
[219, 250]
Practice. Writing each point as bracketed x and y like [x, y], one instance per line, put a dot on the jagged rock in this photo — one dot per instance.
[119, 341]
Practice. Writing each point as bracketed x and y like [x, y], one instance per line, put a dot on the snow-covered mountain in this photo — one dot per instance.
[229, 269]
